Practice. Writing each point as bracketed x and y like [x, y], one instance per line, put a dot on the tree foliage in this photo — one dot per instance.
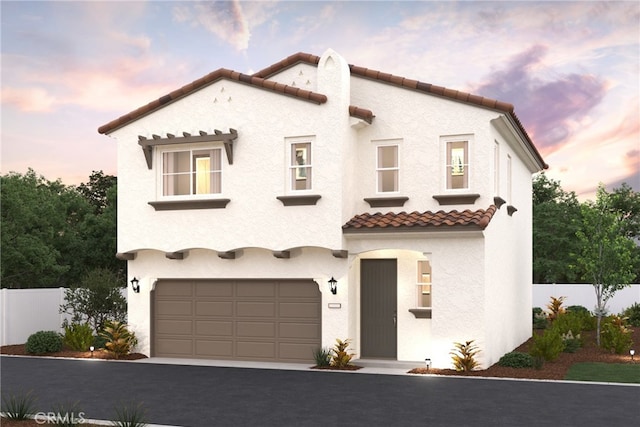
[607, 254]
[556, 219]
[52, 234]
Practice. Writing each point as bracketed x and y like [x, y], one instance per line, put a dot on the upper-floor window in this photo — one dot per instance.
[300, 167]
[387, 168]
[457, 164]
[192, 172]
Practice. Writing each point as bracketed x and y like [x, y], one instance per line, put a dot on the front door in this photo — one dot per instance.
[378, 304]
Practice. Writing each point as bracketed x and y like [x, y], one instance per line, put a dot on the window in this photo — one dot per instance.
[457, 167]
[496, 168]
[387, 169]
[509, 179]
[300, 166]
[192, 172]
[424, 284]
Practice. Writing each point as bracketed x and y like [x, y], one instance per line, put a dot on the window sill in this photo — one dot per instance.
[302, 200]
[173, 205]
[386, 202]
[421, 313]
[456, 199]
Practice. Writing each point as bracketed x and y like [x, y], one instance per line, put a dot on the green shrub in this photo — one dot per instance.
[578, 309]
[633, 314]
[322, 356]
[615, 336]
[340, 357]
[547, 346]
[78, 336]
[539, 318]
[571, 343]
[119, 340]
[99, 342]
[463, 356]
[516, 359]
[128, 415]
[18, 407]
[573, 323]
[44, 342]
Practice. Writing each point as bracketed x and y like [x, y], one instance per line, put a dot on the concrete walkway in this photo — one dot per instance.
[181, 393]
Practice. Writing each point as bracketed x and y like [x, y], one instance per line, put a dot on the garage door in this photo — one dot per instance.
[269, 320]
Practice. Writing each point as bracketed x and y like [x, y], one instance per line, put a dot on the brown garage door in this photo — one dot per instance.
[270, 320]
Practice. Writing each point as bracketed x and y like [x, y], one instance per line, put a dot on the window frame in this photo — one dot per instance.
[380, 170]
[193, 150]
[447, 161]
[422, 282]
[293, 170]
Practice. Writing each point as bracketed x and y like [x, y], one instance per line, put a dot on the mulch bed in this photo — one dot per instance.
[555, 370]
[19, 350]
[333, 368]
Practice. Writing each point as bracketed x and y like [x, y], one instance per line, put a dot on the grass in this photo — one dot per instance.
[604, 372]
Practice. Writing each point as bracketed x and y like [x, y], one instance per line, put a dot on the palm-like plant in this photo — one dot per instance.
[463, 356]
[119, 340]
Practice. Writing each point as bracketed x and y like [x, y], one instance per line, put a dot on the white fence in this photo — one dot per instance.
[585, 296]
[25, 311]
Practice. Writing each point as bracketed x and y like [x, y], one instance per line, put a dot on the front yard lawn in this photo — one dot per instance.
[604, 372]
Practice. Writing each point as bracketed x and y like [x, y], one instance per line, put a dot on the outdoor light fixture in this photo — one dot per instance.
[427, 362]
[135, 286]
[333, 283]
[632, 352]
[91, 349]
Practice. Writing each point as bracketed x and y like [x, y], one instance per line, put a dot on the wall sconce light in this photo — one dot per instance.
[632, 352]
[427, 362]
[91, 349]
[135, 286]
[333, 283]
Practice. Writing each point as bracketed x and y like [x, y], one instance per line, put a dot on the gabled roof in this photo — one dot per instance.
[416, 221]
[260, 79]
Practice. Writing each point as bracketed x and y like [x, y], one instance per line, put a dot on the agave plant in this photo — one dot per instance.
[340, 357]
[119, 340]
[464, 355]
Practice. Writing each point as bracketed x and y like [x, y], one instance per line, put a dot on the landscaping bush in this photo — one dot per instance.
[99, 342]
[128, 415]
[44, 342]
[615, 336]
[516, 359]
[322, 356]
[340, 357]
[547, 346]
[578, 309]
[67, 415]
[571, 343]
[539, 318]
[119, 340]
[463, 356]
[633, 314]
[555, 308]
[78, 336]
[571, 322]
[18, 407]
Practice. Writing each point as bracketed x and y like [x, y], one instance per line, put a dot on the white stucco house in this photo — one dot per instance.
[241, 197]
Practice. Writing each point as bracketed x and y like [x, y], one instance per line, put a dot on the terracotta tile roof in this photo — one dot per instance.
[361, 113]
[416, 221]
[222, 73]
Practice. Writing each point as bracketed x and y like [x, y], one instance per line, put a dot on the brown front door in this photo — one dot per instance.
[378, 305]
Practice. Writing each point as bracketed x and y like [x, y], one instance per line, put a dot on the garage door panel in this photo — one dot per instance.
[256, 329]
[174, 347]
[207, 289]
[174, 308]
[214, 308]
[256, 289]
[214, 348]
[249, 319]
[256, 349]
[214, 328]
[174, 327]
[299, 309]
[303, 331]
[256, 309]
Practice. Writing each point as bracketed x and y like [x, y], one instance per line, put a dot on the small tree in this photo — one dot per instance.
[606, 255]
[97, 300]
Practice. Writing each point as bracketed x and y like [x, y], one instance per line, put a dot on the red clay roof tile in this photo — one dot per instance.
[416, 221]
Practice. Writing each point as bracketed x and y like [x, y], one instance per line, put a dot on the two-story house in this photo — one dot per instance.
[265, 215]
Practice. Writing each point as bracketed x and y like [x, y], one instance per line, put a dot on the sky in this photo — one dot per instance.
[571, 69]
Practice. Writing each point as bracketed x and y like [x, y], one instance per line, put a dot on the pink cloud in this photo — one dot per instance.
[29, 99]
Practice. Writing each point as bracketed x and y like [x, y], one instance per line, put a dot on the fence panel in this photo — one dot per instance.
[585, 295]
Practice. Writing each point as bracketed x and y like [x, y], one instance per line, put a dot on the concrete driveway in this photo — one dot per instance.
[205, 396]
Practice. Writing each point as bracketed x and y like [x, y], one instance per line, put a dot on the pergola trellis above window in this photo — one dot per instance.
[226, 138]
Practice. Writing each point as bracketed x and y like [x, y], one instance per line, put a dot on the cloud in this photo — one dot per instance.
[29, 99]
[551, 110]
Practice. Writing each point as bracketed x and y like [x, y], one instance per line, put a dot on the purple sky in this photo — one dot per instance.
[570, 68]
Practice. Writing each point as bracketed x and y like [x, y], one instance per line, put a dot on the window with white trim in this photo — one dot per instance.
[387, 169]
[192, 172]
[457, 164]
[300, 167]
[496, 168]
[423, 284]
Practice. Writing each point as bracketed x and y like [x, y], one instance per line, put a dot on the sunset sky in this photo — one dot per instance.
[572, 69]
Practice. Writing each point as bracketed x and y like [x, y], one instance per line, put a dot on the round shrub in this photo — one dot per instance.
[516, 359]
[44, 342]
[633, 314]
[578, 309]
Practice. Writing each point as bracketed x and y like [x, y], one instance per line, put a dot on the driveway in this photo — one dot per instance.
[205, 396]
